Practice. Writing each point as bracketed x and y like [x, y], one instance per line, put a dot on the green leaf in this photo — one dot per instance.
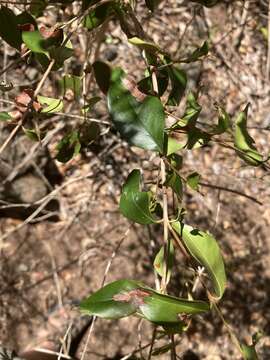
[198, 53]
[34, 41]
[164, 309]
[174, 181]
[68, 147]
[150, 47]
[97, 16]
[89, 131]
[179, 81]
[37, 7]
[146, 86]
[139, 121]
[224, 122]
[90, 104]
[193, 180]
[71, 82]
[126, 297]
[103, 303]
[244, 142]
[159, 262]
[192, 112]
[4, 116]
[25, 18]
[204, 249]
[61, 54]
[102, 73]
[173, 146]
[51, 105]
[249, 352]
[33, 135]
[134, 204]
[9, 30]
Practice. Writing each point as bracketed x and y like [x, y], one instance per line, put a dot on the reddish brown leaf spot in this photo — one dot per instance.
[26, 27]
[135, 297]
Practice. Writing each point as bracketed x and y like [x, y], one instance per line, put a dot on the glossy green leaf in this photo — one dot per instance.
[174, 181]
[159, 262]
[244, 142]
[204, 249]
[193, 180]
[4, 116]
[198, 53]
[68, 147]
[160, 309]
[139, 120]
[102, 73]
[104, 303]
[97, 16]
[9, 30]
[71, 82]
[34, 41]
[134, 204]
[178, 79]
[249, 352]
[50, 105]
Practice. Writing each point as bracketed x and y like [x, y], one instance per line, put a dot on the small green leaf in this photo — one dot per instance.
[68, 147]
[9, 30]
[102, 73]
[71, 82]
[165, 309]
[4, 116]
[34, 41]
[244, 142]
[179, 81]
[159, 262]
[97, 16]
[134, 204]
[198, 53]
[139, 120]
[146, 86]
[224, 122]
[204, 249]
[174, 181]
[104, 303]
[173, 146]
[33, 135]
[192, 112]
[150, 47]
[249, 352]
[51, 105]
[193, 180]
